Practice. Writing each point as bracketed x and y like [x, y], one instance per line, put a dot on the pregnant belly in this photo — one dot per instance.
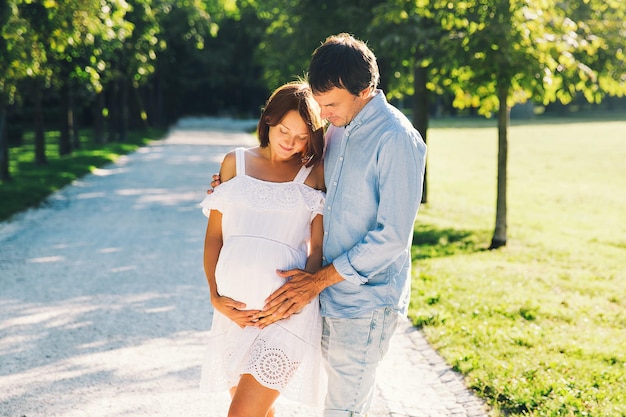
[246, 269]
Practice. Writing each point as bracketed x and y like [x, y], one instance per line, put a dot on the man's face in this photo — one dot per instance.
[339, 106]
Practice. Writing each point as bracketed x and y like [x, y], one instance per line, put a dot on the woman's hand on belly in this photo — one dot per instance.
[235, 311]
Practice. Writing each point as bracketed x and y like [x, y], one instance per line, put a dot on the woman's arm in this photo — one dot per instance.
[230, 308]
[316, 177]
[213, 238]
[314, 261]
[212, 248]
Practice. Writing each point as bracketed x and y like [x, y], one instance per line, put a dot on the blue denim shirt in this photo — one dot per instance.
[374, 171]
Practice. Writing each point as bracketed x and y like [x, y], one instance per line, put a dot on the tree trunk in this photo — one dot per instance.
[5, 174]
[499, 235]
[71, 116]
[98, 128]
[158, 111]
[40, 137]
[125, 105]
[114, 111]
[65, 135]
[420, 110]
[143, 114]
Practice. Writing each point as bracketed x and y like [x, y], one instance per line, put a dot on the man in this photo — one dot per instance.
[374, 170]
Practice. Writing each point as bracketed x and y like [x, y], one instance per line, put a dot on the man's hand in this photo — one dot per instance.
[296, 293]
[234, 310]
[216, 181]
[290, 298]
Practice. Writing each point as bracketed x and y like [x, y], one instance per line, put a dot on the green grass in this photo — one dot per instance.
[31, 184]
[537, 327]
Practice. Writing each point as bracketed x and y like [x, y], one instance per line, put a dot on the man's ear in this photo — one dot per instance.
[366, 92]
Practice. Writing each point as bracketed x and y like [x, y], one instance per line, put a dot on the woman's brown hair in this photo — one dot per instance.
[294, 96]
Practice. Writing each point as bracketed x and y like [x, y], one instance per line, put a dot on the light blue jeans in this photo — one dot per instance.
[353, 348]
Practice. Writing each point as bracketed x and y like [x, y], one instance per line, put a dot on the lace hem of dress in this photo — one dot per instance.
[271, 366]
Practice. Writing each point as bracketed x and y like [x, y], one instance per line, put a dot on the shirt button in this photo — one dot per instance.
[334, 182]
[341, 158]
[329, 207]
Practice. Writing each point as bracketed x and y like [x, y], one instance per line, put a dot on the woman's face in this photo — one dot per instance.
[290, 136]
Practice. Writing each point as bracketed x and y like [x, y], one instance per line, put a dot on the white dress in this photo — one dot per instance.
[265, 227]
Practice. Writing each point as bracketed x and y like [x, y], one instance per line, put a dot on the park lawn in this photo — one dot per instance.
[537, 327]
[32, 184]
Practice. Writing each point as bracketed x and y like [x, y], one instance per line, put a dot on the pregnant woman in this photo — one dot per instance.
[266, 216]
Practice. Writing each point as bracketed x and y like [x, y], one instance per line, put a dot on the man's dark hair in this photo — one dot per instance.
[343, 62]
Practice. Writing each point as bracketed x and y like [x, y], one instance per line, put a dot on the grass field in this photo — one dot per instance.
[538, 327]
[31, 184]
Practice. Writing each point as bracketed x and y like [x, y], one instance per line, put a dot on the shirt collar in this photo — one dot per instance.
[372, 107]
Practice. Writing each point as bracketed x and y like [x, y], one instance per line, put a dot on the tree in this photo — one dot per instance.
[540, 50]
[20, 57]
[81, 21]
[496, 53]
[41, 36]
[190, 61]
[108, 41]
[132, 65]
[233, 73]
[14, 63]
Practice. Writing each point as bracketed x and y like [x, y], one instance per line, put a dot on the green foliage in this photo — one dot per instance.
[536, 327]
[230, 81]
[296, 27]
[546, 50]
[427, 34]
[543, 50]
[18, 58]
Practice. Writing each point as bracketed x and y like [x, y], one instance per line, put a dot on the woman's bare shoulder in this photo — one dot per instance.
[229, 167]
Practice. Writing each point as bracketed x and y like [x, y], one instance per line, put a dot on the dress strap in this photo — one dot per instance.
[240, 161]
[303, 174]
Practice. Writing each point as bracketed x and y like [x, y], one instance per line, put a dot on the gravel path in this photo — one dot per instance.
[104, 306]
